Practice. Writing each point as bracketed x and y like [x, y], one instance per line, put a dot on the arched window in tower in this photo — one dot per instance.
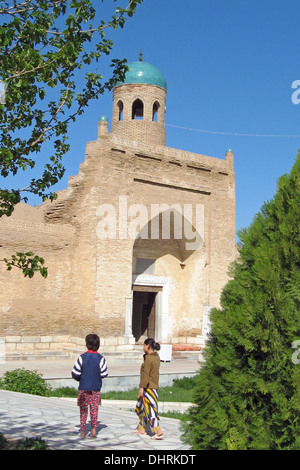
[155, 111]
[120, 110]
[137, 109]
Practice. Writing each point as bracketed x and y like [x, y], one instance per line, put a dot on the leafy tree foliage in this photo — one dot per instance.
[248, 392]
[47, 51]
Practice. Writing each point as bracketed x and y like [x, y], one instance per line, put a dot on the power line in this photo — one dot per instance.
[232, 133]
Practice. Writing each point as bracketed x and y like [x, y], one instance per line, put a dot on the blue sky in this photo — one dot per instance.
[229, 66]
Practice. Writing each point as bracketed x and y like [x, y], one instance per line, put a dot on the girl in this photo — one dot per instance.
[147, 403]
[89, 370]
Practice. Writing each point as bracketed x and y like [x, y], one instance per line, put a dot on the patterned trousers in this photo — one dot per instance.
[86, 400]
[147, 410]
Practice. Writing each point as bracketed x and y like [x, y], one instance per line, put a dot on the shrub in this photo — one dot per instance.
[248, 391]
[32, 443]
[3, 442]
[25, 381]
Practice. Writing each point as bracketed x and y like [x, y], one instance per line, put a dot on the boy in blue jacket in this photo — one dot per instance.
[89, 370]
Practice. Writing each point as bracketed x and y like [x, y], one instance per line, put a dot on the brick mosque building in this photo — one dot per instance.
[138, 244]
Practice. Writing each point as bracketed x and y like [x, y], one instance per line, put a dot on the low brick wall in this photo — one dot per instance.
[51, 347]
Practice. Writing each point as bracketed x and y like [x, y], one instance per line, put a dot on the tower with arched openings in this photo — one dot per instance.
[139, 105]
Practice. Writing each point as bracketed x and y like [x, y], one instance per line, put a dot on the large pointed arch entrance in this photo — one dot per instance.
[159, 276]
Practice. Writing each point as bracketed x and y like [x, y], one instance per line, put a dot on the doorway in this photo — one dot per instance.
[144, 313]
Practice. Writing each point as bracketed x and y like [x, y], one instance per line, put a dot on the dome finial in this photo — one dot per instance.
[141, 55]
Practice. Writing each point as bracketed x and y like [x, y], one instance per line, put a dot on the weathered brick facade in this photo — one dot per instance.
[96, 284]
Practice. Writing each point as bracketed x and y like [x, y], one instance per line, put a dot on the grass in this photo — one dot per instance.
[173, 414]
[182, 390]
[64, 392]
[164, 394]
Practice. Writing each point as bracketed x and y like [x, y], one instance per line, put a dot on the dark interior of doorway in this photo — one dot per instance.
[143, 315]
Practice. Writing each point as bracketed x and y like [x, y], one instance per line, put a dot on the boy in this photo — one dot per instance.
[89, 370]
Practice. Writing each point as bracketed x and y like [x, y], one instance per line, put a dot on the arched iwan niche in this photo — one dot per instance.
[168, 263]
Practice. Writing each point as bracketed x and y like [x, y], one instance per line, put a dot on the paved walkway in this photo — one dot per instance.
[56, 420]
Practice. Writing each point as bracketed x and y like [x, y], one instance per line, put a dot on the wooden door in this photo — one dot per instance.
[151, 317]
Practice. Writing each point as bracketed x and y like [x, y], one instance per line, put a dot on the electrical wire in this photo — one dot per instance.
[232, 133]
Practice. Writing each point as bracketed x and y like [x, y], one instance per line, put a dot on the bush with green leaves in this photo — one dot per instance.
[3, 442]
[33, 443]
[248, 391]
[25, 381]
[28, 443]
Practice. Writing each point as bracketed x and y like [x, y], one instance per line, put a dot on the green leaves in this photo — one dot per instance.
[8, 200]
[43, 47]
[28, 263]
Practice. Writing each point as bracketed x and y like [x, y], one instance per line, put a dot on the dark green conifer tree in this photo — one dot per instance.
[248, 391]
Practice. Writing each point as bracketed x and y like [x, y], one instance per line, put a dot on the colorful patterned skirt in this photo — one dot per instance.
[147, 409]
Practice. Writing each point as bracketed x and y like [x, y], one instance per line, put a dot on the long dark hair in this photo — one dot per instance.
[153, 345]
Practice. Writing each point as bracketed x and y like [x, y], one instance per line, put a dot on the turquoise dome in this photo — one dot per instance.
[145, 73]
